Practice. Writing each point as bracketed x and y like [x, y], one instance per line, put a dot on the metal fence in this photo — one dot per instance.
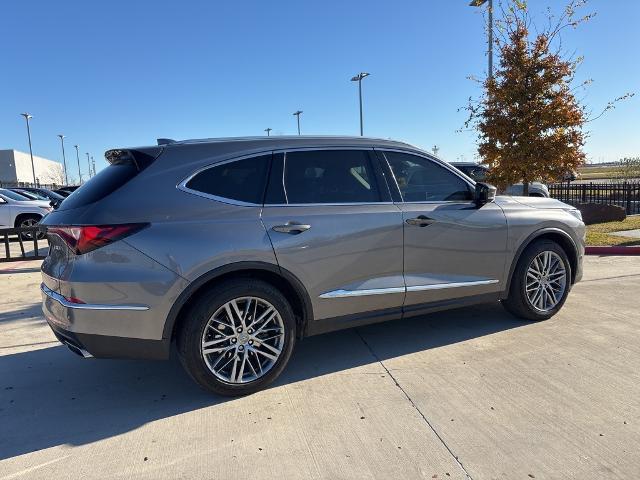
[23, 243]
[623, 194]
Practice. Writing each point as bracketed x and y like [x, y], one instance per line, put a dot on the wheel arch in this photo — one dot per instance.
[557, 235]
[282, 279]
[20, 216]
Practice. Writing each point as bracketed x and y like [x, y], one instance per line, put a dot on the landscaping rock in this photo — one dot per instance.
[599, 213]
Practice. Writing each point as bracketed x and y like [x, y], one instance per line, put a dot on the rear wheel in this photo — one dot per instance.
[540, 282]
[28, 221]
[238, 337]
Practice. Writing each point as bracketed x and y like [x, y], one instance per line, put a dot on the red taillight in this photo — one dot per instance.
[85, 238]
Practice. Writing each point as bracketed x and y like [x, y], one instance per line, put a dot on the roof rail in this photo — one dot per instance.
[165, 141]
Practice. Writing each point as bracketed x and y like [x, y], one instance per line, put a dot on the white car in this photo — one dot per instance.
[18, 211]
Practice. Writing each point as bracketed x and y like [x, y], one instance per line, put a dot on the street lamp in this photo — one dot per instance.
[479, 3]
[93, 164]
[78, 158]
[358, 78]
[268, 130]
[297, 115]
[28, 117]
[64, 160]
[88, 163]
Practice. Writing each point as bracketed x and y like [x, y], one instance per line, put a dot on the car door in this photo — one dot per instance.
[452, 249]
[333, 225]
[5, 213]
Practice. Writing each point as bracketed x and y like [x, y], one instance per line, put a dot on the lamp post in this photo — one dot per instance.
[358, 78]
[93, 164]
[268, 130]
[479, 3]
[78, 158]
[64, 160]
[297, 115]
[28, 117]
[88, 163]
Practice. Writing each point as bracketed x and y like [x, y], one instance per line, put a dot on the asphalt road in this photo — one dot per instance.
[468, 393]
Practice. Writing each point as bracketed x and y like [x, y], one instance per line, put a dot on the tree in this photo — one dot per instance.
[628, 168]
[530, 124]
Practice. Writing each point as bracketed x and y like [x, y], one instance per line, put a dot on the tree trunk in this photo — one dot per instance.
[525, 188]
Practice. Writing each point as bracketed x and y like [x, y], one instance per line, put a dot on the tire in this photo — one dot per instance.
[200, 326]
[519, 303]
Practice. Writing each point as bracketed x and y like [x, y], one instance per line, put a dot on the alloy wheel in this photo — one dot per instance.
[546, 281]
[243, 340]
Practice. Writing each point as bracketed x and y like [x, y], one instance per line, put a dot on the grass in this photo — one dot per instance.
[598, 233]
[596, 173]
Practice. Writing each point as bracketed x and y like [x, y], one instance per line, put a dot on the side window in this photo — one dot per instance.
[240, 180]
[329, 176]
[422, 180]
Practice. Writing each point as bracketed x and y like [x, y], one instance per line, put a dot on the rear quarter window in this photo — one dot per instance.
[239, 180]
[104, 183]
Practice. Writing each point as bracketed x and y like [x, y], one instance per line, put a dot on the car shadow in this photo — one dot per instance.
[50, 397]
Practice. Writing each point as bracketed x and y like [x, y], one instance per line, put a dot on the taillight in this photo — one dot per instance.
[85, 238]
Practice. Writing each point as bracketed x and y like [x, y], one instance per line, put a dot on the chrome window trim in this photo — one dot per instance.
[437, 161]
[341, 293]
[87, 306]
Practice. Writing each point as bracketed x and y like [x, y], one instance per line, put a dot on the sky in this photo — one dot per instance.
[124, 73]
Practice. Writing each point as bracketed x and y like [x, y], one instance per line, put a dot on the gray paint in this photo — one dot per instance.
[465, 255]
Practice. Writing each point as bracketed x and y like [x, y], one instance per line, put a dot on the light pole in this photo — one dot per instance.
[268, 130]
[64, 160]
[479, 3]
[78, 158]
[358, 78]
[297, 115]
[93, 164]
[28, 117]
[88, 163]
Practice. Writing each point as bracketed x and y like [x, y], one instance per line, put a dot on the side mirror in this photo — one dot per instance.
[484, 194]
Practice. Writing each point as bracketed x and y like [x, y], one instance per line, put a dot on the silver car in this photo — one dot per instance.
[234, 249]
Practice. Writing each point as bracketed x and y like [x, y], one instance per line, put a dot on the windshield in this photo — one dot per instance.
[13, 195]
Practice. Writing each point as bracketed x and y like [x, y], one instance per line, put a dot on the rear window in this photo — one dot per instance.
[109, 179]
[240, 180]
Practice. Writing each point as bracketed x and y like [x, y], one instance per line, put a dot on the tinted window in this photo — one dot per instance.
[14, 195]
[241, 180]
[422, 180]
[479, 174]
[105, 182]
[330, 176]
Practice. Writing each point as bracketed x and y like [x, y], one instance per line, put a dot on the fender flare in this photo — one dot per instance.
[531, 238]
[239, 267]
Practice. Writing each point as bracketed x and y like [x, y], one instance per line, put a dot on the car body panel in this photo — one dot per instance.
[10, 209]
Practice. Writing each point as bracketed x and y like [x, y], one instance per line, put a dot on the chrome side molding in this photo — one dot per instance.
[414, 288]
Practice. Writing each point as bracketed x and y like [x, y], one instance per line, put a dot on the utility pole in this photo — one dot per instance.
[88, 164]
[479, 3]
[297, 115]
[79, 172]
[28, 117]
[268, 130]
[64, 160]
[358, 78]
[93, 164]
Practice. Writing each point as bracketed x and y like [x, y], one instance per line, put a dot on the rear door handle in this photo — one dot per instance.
[420, 221]
[293, 228]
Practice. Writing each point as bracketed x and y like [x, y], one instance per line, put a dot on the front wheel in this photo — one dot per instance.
[238, 337]
[540, 282]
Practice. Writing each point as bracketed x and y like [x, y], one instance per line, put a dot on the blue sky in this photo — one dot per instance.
[123, 73]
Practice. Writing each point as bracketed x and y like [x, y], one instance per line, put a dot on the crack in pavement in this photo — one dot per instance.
[426, 420]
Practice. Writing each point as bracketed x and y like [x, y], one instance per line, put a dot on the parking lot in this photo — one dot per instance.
[466, 393]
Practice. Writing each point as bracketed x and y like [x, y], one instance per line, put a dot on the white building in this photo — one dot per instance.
[15, 167]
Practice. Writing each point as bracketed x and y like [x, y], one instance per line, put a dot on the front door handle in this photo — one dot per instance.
[420, 221]
[293, 228]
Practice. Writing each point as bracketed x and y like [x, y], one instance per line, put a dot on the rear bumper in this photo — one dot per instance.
[73, 323]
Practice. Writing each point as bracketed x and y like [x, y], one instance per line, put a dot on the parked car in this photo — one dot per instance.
[234, 249]
[54, 199]
[19, 211]
[479, 173]
[66, 191]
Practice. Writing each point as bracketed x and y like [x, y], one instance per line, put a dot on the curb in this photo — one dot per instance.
[612, 250]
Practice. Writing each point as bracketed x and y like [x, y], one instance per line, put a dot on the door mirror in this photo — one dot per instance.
[2, 200]
[484, 194]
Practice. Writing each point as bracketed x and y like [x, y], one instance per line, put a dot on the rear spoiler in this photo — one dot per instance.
[139, 158]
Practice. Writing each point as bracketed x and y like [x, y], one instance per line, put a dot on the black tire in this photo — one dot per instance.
[20, 223]
[518, 303]
[190, 335]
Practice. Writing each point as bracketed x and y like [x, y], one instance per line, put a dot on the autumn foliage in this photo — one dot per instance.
[530, 123]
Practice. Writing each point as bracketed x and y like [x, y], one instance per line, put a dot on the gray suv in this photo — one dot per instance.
[234, 249]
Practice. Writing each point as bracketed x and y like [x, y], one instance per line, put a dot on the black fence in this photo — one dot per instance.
[623, 194]
[29, 240]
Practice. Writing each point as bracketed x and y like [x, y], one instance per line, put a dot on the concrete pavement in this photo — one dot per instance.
[466, 393]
